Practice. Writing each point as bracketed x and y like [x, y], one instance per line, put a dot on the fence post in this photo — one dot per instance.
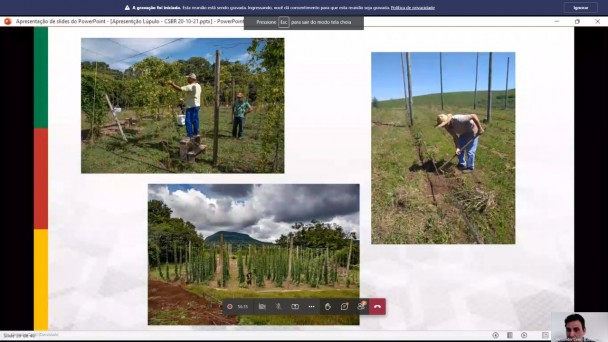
[489, 115]
[441, 76]
[409, 85]
[404, 85]
[476, 73]
[233, 98]
[507, 84]
[216, 117]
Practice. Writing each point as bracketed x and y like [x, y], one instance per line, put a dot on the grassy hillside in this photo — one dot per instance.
[463, 99]
[411, 204]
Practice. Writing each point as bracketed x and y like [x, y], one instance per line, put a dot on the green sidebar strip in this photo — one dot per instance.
[41, 77]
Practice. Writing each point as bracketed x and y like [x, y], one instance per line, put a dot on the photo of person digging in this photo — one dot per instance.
[465, 129]
[426, 189]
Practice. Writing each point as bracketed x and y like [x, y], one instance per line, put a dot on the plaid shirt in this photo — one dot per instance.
[240, 109]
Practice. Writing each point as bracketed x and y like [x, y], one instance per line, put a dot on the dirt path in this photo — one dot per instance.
[440, 186]
[170, 304]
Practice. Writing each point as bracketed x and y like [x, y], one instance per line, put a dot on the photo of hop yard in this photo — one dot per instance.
[318, 259]
[137, 105]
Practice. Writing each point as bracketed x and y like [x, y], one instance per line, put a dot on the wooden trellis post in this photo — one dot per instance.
[507, 84]
[476, 73]
[409, 86]
[441, 76]
[216, 117]
[404, 85]
[115, 118]
[489, 115]
[350, 251]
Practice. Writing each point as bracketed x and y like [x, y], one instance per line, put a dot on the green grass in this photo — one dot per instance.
[154, 275]
[402, 208]
[218, 295]
[153, 147]
[354, 276]
[462, 99]
[169, 317]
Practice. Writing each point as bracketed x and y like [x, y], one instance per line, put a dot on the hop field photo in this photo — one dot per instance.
[210, 242]
[443, 148]
[182, 105]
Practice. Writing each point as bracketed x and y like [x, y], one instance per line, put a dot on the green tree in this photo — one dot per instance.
[240, 267]
[149, 91]
[93, 88]
[198, 65]
[166, 233]
[158, 212]
[268, 57]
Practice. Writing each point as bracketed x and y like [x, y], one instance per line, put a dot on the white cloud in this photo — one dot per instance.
[243, 58]
[194, 206]
[348, 223]
[256, 216]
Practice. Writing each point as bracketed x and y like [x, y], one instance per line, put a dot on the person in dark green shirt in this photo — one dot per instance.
[241, 108]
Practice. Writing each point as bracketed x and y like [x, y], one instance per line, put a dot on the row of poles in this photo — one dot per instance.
[409, 108]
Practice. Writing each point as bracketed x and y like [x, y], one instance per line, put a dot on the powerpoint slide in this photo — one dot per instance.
[443, 148]
[156, 105]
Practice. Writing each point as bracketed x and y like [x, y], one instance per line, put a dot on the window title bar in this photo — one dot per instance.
[302, 7]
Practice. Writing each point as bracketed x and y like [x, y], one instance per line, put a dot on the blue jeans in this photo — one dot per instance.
[469, 151]
[237, 124]
[192, 121]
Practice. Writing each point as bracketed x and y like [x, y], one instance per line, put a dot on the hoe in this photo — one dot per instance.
[461, 151]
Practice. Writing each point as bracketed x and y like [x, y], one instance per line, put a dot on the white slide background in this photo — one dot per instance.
[97, 223]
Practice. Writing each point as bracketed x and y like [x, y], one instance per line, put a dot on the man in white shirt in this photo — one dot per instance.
[463, 128]
[192, 102]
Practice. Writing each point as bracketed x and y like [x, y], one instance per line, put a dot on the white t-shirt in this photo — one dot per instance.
[462, 124]
[193, 95]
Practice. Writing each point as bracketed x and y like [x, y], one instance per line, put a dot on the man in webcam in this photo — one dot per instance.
[575, 329]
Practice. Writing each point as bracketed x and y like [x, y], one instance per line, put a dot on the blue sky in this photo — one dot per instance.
[116, 51]
[458, 72]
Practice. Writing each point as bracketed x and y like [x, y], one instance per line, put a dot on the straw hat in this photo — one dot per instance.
[443, 119]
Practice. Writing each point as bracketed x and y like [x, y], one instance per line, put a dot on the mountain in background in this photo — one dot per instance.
[234, 238]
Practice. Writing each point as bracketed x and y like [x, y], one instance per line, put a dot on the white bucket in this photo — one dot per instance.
[181, 120]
